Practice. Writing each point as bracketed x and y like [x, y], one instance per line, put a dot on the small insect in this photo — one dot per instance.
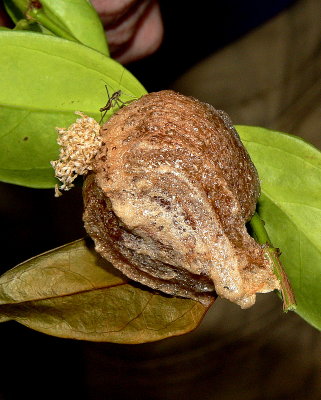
[113, 101]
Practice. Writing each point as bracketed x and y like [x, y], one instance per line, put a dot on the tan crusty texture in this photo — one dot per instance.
[167, 203]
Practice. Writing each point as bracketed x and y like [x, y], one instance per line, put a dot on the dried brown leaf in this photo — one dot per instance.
[71, 292]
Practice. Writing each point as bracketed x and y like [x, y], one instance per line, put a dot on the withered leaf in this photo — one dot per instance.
[71, 292]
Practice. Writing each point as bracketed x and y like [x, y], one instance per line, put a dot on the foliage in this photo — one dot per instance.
[71, 292]
[41, 90]
[290, 205]
[75, 20]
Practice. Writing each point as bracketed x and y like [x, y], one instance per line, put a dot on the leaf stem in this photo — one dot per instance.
[38, 15]
[22, 25]
[272, 253]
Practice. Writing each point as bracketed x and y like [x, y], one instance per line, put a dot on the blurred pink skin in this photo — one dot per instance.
[134, 28]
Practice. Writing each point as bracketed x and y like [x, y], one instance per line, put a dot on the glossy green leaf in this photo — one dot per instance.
[80, 19]
[290, 204]
[77, 18]
[43, 81]
[71, 292]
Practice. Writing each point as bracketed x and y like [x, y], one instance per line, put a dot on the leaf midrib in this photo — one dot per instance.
[63, 295]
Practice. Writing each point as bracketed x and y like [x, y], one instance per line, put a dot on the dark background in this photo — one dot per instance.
[193, 30]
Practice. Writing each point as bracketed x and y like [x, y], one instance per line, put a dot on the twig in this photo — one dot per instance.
[272, 253]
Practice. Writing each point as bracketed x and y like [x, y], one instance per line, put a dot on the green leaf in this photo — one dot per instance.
[290, 204]
[80, 19]
[71, 292]
[43, 81]
[76, 20]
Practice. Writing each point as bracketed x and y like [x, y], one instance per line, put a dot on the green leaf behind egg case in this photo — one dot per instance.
[80, 18]
[43, 81]
[77, 18]
[290, 204]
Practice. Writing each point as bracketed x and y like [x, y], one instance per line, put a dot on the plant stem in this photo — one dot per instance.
[272, 253]
[38, 15]
[22, 25]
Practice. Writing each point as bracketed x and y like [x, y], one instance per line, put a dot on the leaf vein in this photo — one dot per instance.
[17, 124]
[53, 297]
